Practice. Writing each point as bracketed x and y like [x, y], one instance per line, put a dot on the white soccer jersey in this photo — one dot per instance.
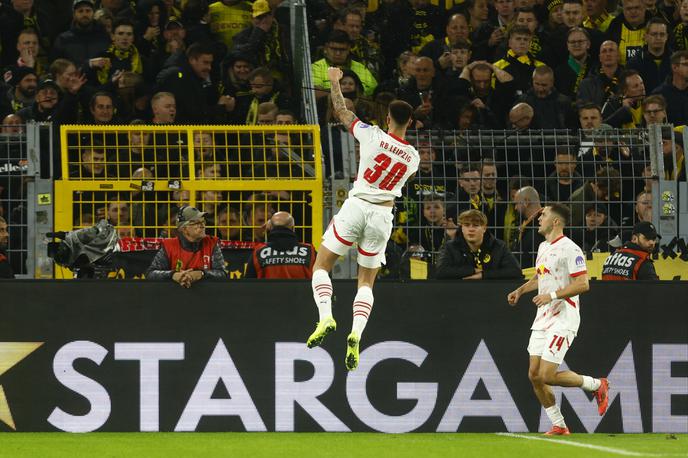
[386, 163]
[557, 264]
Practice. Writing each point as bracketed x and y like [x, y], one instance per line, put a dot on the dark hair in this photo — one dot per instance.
[461, 44]
[526, 9]
[29, 31]
[263, 72]
[656, 20]
[92, 102]
[577, 2]
[562, 211]
[198, 49]
[655, 98]
[468, 167]
[624, 77]
[400, 112]
[194, 10]
[338, 36]
[609, 180]
[350, 10]
[589, 106]
[677, 56]
[520, 30]
[357, 80]
[517, 182]
[120, 22]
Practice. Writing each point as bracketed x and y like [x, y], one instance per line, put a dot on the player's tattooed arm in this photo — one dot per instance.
[344, 115]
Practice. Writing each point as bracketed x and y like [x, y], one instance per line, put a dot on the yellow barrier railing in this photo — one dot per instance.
[138, 175]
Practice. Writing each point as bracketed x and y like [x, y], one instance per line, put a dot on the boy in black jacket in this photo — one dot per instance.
[475, 254]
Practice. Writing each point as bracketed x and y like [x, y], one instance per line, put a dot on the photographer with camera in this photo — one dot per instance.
[192, 255]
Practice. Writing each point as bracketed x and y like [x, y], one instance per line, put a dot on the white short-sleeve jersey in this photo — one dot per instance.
[387, 161]
[558, 263]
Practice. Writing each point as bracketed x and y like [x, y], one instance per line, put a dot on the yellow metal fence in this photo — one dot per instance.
[137, 176]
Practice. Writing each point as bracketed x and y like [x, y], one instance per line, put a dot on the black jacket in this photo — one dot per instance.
[677, 102]
[196, 99]
[552, 112]
[79, 45]
[652, 74]
[456, 260]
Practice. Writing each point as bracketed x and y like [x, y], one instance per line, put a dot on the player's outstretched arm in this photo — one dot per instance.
[530, 285]
[344, 115]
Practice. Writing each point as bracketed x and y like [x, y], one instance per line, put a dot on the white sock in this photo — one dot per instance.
[363, 305]
[555, 416]
[322, 293]
[590, 384]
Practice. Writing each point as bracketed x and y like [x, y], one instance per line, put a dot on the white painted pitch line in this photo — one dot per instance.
[600, 448]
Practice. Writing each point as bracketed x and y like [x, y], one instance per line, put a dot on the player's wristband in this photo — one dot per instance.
[553, 295]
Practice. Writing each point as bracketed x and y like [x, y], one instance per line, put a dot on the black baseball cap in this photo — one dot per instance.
[647, 229]
[47, 81]
[76, 3]
[174, 21]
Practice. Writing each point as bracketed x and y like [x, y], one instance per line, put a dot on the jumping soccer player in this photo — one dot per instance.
[560, 276]
[387, 162]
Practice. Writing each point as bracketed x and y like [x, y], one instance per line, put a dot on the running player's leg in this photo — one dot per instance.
[558, 343]
[550, 374]
[545, 395]
[542, 391]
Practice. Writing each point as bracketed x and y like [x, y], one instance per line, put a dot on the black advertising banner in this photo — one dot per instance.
[134, 264]
[230, 356]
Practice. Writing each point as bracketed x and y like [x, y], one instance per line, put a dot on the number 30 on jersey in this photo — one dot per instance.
[391, 178]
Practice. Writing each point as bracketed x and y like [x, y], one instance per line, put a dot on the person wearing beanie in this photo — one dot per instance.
[22, 82]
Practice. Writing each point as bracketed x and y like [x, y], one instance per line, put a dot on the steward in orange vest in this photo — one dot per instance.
[191, 256]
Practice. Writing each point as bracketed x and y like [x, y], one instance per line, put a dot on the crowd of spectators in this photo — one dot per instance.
[469, 66]
[158, 62]
[523, 65]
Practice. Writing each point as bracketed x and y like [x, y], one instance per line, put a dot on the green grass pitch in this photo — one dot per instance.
[349, 445]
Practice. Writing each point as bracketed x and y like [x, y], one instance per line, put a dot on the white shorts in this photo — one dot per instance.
[550, 345]
[368, 225]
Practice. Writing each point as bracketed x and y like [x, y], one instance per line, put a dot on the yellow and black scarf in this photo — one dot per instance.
[681, 37]
[609, 85]
[131, 55]
[600, 23]
[252, 116]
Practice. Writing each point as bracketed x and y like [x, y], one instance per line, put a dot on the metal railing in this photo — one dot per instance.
[610, 179]
[137, 177]
[26, 201]
[300, 47]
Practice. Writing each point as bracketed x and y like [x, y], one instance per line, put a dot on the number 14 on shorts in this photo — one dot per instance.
[558, 341]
